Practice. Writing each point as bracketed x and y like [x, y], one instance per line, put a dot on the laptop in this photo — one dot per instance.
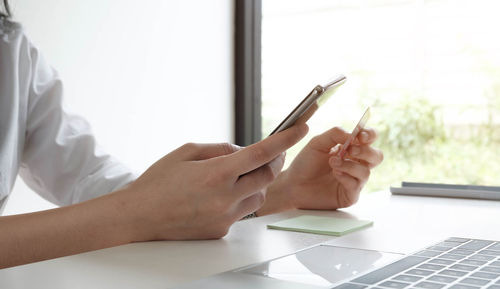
[454, 263]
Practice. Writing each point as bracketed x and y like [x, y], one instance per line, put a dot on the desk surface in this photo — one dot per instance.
[402, 224]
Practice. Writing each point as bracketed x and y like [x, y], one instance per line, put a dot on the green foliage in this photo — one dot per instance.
[409, 128]
[417, 147]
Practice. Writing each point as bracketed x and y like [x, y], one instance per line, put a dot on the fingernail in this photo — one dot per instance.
[336, 162]
[355, 151]
[335, 149]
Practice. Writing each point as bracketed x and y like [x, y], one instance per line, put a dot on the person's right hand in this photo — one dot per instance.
[199, 190]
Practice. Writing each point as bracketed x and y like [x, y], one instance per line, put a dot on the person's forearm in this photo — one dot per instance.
[277, 197]
[92, 225]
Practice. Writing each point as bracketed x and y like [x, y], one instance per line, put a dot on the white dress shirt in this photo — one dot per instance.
[54, 152]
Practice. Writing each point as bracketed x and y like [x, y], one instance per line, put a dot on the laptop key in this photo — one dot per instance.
[419, 272]
[453, 273]
[407, 278]
[493, 287]
[441, 261]
[394, 284]
[389, 270]
[431, 267]
[476, 244]
[481, 257]
[496, 263]
[495, 246]
[484, 275]
[490, 252]
[462, 286]
[452, 256]
[429, 285]
[463, 267]
[462, 252]
[473, 262]
[491, 269]
[474, 281]
[442, 279]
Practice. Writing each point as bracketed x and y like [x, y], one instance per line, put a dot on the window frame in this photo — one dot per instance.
[247, 72]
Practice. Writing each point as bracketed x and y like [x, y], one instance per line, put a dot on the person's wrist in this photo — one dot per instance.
[278, 196]
[129, 216]
[287, 188]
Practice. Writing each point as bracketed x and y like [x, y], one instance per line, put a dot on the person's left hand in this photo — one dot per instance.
[319, 179]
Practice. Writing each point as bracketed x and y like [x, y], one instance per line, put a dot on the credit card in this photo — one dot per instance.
[361, 124]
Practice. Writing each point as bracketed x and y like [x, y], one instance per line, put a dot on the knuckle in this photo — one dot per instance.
[349, 199]
[257, 199]
[295, 136]
[315, 139]
[353, 199]
[381, 154]
[319, 139]
[367, 173]
[267, 174]
[228, 148]
[276, 165]
[190, 146]
[259, 154]
[338, 130]
[260, 199]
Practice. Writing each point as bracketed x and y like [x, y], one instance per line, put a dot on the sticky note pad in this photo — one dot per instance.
[321, 225]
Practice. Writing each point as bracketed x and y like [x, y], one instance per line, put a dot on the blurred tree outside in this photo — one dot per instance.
[430, 70]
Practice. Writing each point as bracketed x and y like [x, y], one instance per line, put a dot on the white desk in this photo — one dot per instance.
[402, 224]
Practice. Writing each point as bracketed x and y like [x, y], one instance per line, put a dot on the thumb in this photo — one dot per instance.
[329, 139]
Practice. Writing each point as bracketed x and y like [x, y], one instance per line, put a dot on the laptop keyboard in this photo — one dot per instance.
[456, 263]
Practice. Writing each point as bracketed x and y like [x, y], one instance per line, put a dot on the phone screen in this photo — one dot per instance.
[308, 106]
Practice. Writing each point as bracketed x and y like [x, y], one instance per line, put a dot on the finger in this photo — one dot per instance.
[199, 151]
[367, 136]
[349, 167]
[367, 154]
[330, 138]
[259, 154]
[208, 151]
[352, 187]
[249, 205]
[259, 178]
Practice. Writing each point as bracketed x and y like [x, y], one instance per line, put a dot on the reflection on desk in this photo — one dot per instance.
[402, 224]
[322, 265]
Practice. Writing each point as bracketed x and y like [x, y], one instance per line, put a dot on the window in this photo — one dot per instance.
[430, 70]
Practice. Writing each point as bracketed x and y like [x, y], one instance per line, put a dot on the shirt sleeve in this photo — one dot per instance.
[61, 160]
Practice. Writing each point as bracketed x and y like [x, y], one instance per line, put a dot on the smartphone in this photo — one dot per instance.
[308, 106]
[361, 124]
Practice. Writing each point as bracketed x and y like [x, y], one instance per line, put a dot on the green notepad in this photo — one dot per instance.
[321, 225]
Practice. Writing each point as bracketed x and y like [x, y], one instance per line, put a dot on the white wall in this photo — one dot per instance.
[149, 75]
